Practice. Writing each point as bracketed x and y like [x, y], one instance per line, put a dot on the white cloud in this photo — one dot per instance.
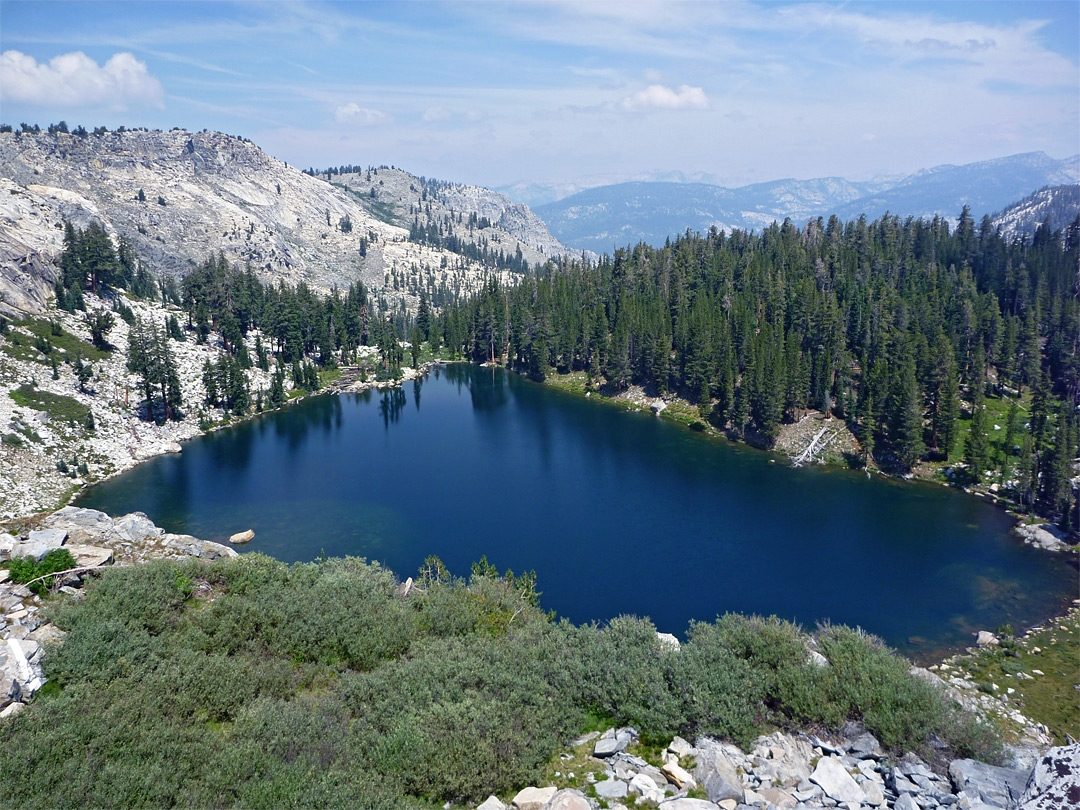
[658, 97]
[432, 114]
[353, 113]
[74, 79]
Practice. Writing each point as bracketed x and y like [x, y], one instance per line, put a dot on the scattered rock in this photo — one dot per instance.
[240, 538]
[677, 775]
[533, 798]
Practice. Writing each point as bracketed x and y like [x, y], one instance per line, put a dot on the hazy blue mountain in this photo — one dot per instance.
[626, 213]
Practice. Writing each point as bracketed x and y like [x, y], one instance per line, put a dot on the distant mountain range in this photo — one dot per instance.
[610, 216]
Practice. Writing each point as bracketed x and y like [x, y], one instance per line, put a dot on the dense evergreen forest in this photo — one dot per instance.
[905, 329]
[902, 328]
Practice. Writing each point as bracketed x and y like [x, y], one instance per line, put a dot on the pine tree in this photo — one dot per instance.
[906, 430]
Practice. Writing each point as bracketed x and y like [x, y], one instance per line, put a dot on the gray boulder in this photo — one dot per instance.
[1055, 781]
[612, 742]
[40, 543]
[716, 773]
[492, 803]
[136, 527]
[611, 789]
[837, 783]
[865, 746]
[998, 787]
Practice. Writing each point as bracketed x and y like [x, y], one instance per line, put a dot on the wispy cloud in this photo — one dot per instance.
[74, 79]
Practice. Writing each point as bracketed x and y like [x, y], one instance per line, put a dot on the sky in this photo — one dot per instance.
[496, 93]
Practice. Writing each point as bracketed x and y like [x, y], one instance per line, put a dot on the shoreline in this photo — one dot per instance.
[644, 403]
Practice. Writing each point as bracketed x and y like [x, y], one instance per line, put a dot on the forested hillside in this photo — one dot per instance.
[906, 329]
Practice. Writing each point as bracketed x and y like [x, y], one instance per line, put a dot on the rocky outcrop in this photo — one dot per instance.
[799, 772]
[1043, 535]
[180, 196]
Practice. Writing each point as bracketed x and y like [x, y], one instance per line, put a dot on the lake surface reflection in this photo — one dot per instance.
[617, 512]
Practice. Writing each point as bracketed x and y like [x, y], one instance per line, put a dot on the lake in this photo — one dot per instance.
[617, 512]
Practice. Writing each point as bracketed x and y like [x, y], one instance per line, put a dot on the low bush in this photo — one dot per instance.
[26, 569]
[251, 683]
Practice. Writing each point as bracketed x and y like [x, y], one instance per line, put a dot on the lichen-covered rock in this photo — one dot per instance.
[1055, 781]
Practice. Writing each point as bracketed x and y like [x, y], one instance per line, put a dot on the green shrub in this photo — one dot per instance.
[250, 683]
[26, 569]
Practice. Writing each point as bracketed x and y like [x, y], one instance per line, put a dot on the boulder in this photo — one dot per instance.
[1000, 787]
[875, 795]
[611, 789]
[87, 556]
[646, 788]
[716, 773]
[668, 641]
[612, 742]
[7, 543]
[40, 543]
[568, 799]
[136, 527]
[240, 538]
[1044, 535]
[906, 802]
[492, 803]
[864, 746]
[778, 798]
[1055, 781]
[985, 639]
[837, 783]
[533, 798]
[678, 776]
[680, 747]
[12, 709]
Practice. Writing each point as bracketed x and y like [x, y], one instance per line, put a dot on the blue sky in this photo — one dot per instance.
[497, 93]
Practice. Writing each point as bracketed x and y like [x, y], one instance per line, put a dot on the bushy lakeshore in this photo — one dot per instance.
[211, 680]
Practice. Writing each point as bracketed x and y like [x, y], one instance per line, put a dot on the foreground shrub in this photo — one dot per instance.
[250, 683]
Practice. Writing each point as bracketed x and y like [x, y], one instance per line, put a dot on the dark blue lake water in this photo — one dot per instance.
[617, 512]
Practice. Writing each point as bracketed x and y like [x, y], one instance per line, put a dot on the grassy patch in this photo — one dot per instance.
[59, 407]
[69, 343]
[1043, 669]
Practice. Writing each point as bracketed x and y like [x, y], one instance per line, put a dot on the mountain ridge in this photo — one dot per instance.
[178, 196]
[624, 213]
